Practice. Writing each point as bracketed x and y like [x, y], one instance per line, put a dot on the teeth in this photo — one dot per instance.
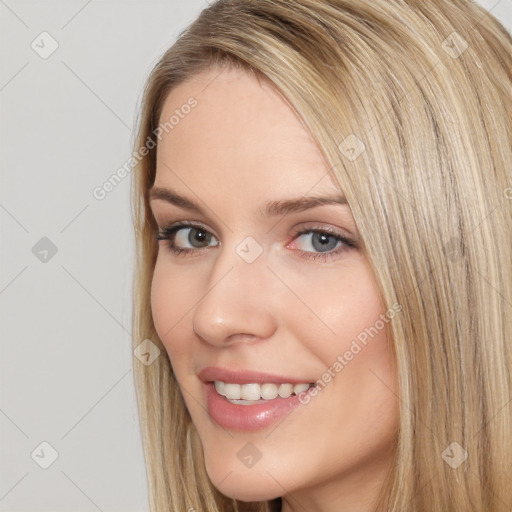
[232, 391]
[219, 386]
[247, 394]
[285, 390]
[250, 392]
[299, 388]
[269, 391]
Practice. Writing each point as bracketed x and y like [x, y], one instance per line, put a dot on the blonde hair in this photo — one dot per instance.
[411, 103]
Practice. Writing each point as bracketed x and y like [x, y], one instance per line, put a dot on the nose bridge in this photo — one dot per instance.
[235, 301]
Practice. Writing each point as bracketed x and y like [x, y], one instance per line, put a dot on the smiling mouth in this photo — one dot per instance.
[254, 393]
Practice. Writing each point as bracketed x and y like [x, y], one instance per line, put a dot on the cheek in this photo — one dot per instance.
[348, 335]
[169, 306]
[342, 310]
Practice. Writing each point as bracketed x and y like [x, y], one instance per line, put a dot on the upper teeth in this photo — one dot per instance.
[256, 391]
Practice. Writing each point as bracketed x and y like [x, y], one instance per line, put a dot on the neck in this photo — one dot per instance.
[355, 492]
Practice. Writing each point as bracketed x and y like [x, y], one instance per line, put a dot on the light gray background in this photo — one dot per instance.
[66, 363]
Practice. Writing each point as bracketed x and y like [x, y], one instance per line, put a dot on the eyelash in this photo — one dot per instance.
[168, 233]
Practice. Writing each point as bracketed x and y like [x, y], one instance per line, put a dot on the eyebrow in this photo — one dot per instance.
[272, 208]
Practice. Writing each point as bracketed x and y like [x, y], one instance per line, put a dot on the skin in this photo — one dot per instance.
[284, 313]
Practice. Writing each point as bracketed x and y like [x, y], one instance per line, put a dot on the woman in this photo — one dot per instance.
[323, 218]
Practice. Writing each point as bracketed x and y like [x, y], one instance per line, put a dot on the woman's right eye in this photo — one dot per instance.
[179, 235]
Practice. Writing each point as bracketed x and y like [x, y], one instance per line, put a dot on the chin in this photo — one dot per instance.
[249, 492]
[244, 485]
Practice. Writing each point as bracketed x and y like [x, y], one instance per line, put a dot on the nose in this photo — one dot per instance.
[236, 306]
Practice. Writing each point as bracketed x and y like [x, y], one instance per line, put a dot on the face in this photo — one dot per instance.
[259, 292]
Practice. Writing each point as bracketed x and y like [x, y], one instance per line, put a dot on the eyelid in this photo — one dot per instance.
[319, 226]
[187, 224]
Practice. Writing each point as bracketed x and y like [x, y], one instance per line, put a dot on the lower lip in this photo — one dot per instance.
[247, 417]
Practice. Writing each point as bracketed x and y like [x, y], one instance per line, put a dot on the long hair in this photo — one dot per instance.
[410, 102]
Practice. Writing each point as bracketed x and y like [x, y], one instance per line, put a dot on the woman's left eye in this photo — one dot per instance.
[325, 241]
[328, 243]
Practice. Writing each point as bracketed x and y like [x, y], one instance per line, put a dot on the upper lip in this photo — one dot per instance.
[241, 376]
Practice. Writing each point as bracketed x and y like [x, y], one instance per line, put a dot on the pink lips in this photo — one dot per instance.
[246, 417]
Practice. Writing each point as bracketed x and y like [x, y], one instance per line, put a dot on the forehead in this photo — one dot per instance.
[240, 133]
